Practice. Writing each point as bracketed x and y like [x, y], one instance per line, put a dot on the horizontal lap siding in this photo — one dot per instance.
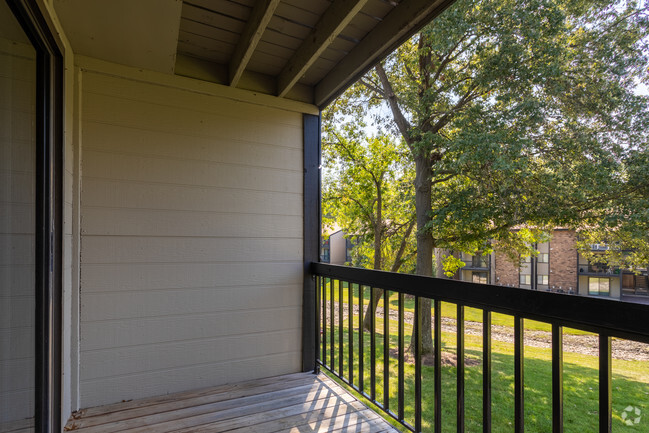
[191, 226]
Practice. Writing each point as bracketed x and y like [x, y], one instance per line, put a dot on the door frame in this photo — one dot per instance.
[48, 213]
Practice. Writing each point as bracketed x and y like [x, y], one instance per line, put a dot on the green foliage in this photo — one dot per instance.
[451, 264]
[367, 192]
[520, 114]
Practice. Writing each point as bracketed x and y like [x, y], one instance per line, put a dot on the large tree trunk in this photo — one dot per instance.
[378, 238]
[423, 198]
[371, 309]
[423, 203]
[398, 261]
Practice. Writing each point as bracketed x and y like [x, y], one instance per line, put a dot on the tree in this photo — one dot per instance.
[514, 114]
[624, 224]
[367, 192]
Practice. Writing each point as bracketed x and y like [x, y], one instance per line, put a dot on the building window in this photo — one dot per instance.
[544, 258]
[542, 280]
[480, 277]
[479, 261]
[348, 250]
[599, 286]
[526, 279]
[324, 251]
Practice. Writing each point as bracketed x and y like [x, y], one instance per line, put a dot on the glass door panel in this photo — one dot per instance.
[17, 225]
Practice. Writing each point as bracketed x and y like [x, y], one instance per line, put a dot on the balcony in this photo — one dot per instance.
[376, 364]
[176, 203]
[478, 263]
[599, 247]
[599, 269]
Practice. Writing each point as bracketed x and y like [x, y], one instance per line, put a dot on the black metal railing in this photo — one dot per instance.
[341, 346]
[600, 269]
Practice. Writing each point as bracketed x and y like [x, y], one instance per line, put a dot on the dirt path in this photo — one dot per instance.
[584, 344]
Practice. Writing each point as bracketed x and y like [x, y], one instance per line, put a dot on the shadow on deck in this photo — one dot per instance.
[301, 402]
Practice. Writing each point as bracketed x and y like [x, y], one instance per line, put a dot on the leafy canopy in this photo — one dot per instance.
[520, 114]
[367, 191]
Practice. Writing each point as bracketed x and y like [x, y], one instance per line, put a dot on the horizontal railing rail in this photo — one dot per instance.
[341, 348]
[599, 268]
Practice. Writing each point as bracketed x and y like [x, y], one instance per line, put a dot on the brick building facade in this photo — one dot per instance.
[563, 260]
[506, 273]
[558, 267]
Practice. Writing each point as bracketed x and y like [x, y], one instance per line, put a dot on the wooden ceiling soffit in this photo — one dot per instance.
[405, 19]
[333, 21]
[259, 18]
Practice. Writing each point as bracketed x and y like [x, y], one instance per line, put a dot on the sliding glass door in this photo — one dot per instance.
[30, 219]
[17, 225]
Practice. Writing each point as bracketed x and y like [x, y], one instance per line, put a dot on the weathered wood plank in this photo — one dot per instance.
[247, 392]
[172, 420]
[288, 27]
[97, 411]
[194, 49]
[190, 27]
[284, 418]
[292, 403]
[301, 16]
[233, 17]
[236, 9]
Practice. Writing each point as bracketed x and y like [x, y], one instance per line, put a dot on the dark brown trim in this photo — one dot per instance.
[311, 236]
[49, 216]
[407, 18]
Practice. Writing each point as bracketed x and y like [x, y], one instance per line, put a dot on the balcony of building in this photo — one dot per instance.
[160, 217]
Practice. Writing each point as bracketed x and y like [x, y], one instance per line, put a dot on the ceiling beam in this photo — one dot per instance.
[332, 22]
[259, 18]
[401, 23]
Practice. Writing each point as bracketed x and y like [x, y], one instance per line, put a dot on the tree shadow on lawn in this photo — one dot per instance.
[580, 396]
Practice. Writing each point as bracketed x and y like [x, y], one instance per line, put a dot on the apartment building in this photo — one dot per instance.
[558, 267]
[336, 249]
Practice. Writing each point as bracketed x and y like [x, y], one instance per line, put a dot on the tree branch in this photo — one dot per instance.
[373, 87]
[398, 260]
[399, 118]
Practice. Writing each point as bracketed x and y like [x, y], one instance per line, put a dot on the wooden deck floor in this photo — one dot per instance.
[301, 402]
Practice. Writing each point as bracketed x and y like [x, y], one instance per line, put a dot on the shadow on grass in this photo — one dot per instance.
[580, 391]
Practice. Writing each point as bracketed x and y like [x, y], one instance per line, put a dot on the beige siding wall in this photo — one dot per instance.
[191, 239]
[337, 248]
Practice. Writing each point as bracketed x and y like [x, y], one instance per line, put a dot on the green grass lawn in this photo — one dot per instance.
[449, 310]
[630, 381]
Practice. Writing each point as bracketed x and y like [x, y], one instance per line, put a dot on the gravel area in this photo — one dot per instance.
[583, 344]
